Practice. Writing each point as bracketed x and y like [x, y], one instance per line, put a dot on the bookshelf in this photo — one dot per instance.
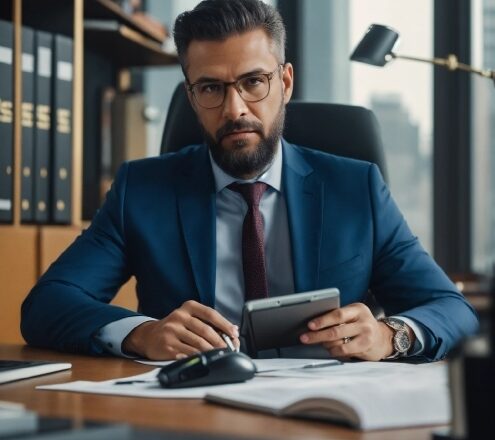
[124, 45]
[26, 250]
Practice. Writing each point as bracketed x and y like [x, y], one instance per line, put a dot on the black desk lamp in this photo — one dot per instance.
[376, 48]
[472, 364]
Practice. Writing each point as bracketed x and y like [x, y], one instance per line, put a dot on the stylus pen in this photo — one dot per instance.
[228, 341]
[323, 364]
[131, 382]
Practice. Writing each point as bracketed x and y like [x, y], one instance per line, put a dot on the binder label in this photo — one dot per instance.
[27, 62]
[63, 120]
[5, 205]
[44, 62]
[6, 112]
[5, 55]
[43, 117]
[64, 71]
[27, 109]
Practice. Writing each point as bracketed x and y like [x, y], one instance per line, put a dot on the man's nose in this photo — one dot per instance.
[233, 106]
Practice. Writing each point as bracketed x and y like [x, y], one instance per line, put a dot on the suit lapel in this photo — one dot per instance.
[197, 212]
[304, 196]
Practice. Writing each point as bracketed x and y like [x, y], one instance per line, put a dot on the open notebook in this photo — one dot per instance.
[363, 396]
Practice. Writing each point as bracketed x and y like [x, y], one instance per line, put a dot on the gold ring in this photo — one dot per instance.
[346, 340]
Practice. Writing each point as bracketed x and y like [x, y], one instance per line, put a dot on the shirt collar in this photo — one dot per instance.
[271, 176]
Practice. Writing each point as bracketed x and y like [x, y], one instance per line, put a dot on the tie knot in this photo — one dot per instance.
[251, 192]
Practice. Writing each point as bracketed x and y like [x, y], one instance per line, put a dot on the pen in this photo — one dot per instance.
[323, 364]
[312, 365]
[228, 341]
[130, 382]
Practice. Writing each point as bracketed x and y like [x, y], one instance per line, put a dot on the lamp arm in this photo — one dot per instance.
[451, 63]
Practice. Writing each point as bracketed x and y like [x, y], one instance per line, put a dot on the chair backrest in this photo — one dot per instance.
[344, 130]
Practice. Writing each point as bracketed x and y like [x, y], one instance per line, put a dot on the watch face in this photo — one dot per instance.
[401, 341]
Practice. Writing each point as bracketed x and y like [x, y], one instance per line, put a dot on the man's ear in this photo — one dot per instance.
[287, 81]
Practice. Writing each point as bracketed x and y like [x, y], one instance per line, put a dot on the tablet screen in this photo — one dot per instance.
[278, 322]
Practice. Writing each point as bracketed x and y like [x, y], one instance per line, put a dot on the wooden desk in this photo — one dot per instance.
[191, 415]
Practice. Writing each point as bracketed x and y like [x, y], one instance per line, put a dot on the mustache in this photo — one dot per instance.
[238, 125]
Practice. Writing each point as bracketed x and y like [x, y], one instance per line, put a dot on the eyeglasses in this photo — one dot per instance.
[251, 88]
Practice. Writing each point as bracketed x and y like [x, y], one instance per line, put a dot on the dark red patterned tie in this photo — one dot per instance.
[253, 250]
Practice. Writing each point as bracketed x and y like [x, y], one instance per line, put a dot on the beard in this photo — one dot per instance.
[237, 162]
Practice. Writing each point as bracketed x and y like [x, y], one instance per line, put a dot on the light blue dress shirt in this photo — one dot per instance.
[229, 279]
[231, 210]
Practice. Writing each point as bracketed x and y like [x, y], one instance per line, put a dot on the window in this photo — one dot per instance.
[483, 137]
[400, 95]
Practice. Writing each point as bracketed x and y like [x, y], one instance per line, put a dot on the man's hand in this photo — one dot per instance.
[367, 338]
[191, 328]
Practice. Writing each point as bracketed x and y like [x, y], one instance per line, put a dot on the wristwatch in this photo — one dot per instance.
[401, 340]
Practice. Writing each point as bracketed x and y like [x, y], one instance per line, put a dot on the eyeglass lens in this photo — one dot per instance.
[251, 88]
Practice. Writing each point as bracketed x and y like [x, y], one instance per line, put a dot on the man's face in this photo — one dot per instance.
[242, 136]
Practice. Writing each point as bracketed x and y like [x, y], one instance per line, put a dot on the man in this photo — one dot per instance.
[246, 214]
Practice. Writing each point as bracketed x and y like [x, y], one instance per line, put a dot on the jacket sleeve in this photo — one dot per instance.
[70, 302]
[406, 280]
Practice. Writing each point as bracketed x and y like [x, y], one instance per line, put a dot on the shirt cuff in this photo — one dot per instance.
[419, 343]
[111, 336]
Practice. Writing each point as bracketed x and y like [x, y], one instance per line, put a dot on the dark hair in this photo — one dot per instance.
[220, 19]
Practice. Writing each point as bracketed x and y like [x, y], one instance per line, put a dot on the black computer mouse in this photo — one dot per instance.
[212, 367]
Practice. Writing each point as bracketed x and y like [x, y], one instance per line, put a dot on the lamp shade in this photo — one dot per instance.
[377, 43]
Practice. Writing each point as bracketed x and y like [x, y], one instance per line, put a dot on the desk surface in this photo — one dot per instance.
[192, 415]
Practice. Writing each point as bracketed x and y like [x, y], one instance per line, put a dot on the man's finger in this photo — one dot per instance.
[184, 349]
[194, 340]
[351, 348]
[338, 316]
[237, 343]
[335, 333]
[205, 331]
[213, 318]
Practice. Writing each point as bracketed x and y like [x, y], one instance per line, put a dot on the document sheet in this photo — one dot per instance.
[141, 385]
[272, 372]
[265, 365]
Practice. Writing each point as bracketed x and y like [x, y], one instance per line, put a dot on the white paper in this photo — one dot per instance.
[364, 371]
[150, 388]
[264, 365]
[275, 389]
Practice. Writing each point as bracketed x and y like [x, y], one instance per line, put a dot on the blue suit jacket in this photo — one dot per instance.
[158, 223]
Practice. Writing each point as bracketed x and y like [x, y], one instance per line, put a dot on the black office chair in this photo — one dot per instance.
[344, 130]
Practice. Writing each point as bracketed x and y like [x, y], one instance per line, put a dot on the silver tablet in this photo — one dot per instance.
[279, 321]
